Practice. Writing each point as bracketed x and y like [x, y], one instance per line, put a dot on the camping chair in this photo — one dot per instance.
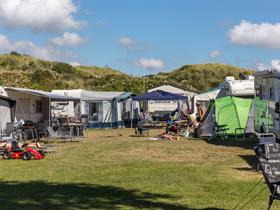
[57, 135]
[219, 131]
[237, 133]
[42, 129]
[268, 157]
[140, 130]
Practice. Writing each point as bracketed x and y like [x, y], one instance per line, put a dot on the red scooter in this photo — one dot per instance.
[25, 153]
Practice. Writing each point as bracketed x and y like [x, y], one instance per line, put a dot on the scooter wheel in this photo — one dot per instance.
[7, 155]
[26, 156]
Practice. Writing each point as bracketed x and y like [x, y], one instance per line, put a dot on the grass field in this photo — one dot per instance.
[113, 170]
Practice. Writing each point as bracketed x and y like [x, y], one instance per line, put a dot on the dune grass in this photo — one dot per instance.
[113, 170]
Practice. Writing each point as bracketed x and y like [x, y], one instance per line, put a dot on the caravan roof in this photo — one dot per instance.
[172, 89]
[87, 95]
[268, 73]
[42, 93]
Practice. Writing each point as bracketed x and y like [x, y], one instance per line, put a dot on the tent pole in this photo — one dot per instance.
[131, 114]
[179, 109]
[50, 112]
[112, 114]
[29, 106]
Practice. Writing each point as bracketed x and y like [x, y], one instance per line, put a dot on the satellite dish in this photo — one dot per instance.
[242, 76]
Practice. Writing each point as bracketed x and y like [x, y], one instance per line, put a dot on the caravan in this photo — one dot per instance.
[36, 105]
[267, 86]
[239, 88]
[230, 87]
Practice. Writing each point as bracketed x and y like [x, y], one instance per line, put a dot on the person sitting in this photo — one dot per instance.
[171, 126]
[200, 112]
[166, 136]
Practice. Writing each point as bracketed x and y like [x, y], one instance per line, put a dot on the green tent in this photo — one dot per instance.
[233, 112]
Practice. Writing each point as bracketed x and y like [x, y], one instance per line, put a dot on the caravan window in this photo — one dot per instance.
[38, 106]
[93, 111]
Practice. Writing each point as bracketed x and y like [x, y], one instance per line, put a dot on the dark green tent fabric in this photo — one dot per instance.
[233, 112]
[262, 116]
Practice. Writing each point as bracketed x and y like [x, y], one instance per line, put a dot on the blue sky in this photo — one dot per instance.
[157, 35]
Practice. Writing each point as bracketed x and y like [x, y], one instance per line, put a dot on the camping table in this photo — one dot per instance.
[76, 129]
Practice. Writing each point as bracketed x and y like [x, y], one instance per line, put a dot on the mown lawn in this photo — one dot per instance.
[113, 170]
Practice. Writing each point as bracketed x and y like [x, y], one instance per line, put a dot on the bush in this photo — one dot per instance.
[63, 68]
[15, 53]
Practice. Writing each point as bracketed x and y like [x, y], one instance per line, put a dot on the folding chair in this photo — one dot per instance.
[219, 131]
[268, 156]
[140, 130]
[57, 135]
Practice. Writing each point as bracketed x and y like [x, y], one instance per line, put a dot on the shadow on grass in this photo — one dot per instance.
[43, 195]
[247, 143]
[251, 161]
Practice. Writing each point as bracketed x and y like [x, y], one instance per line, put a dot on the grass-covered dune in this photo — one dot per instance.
[113, 170]
[26, 71]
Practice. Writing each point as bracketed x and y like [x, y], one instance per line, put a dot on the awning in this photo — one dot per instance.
[52, 96]
[159, 95]
[124, 96]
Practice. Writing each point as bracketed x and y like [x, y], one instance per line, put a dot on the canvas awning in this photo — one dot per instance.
[52, 96]
[207, 96]
[159, 95]
[7, 111]
[124, 96]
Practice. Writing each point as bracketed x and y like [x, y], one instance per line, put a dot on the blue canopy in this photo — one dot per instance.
[159, 95]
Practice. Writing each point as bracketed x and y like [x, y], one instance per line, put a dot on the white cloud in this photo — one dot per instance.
[265, 35]
[28, 47]
[214, 54]
[261, 66]
[274, 64]
[150, 63]
[68, 39]
[127, 42]
[74, 63]
[47, 15]
[132, 45]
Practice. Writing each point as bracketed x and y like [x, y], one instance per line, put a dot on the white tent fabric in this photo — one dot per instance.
[204, 98]
[110, 106]
[207, 96]
[5, 114]
[7, 111]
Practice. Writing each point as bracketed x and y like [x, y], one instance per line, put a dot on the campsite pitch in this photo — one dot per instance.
[113, 170]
